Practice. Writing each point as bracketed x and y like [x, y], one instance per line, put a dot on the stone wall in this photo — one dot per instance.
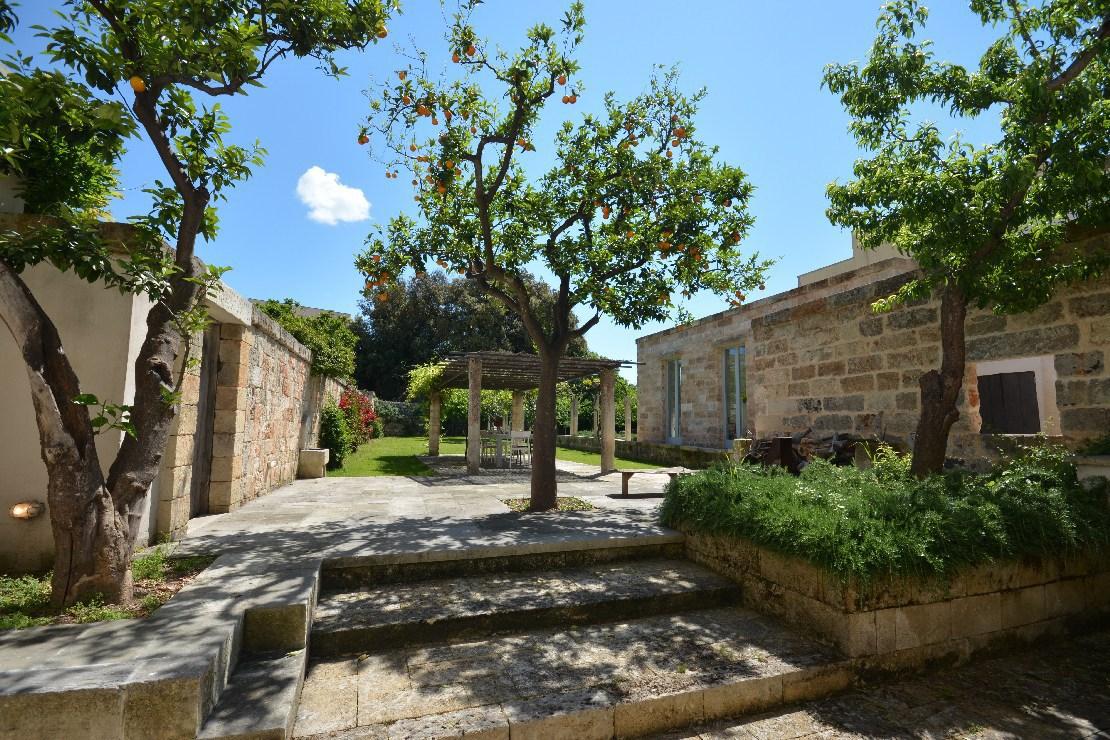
[686, 456]
[173, 488]
[262, 383]
[897, 623]
[818, 357]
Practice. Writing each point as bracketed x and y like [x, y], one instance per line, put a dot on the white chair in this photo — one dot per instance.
[520, 448]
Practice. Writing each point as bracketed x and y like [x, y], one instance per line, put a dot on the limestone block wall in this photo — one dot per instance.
[262, 381]
[897, 623]
[172, 490]
[818, 357]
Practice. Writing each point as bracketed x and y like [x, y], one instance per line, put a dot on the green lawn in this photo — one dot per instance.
[397, 456]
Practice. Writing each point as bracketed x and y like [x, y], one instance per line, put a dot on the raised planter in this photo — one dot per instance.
[313, 463]
[1092, 466]
[901, 623]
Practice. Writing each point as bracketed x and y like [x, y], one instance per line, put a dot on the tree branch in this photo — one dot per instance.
[1082, 60]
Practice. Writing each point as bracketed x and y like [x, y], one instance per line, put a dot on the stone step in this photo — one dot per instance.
[260, 700]
[398, 615]
[628, 679]
[573, 549]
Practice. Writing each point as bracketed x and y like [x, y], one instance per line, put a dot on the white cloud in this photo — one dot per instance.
[330, 201]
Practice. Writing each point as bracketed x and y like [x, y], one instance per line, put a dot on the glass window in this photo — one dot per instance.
[735, 394]
[674, 401]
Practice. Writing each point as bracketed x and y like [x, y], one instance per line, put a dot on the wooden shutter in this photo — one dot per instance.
[1008, 403]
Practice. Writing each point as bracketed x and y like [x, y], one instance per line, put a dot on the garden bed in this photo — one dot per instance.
[900, 570]
[25, 600]
[562, 503]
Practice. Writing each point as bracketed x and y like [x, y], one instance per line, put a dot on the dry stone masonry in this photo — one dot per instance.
[818, 357]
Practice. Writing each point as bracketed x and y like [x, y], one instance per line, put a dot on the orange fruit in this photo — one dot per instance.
[412, 147]
[449, 164]
[680, 132]
[383, 32]
[630, 233]
[573, 99]
[363, 139]
[456, 58]
[435, 121]
[471, 50]
[414, 182]
[473, 129]
[137, 84]
[406, 99]
[670, 154]
[376, 257]
[566, 98]
[402, 75]
[562, 79]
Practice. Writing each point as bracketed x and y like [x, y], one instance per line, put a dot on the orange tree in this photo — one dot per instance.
[634, 209]
[161, 57]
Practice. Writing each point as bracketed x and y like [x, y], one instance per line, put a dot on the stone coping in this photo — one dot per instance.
[115, 678]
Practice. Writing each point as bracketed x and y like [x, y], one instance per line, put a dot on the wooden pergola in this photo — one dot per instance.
[519, 372]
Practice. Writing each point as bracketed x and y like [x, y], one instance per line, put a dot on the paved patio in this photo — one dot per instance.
[450, 510]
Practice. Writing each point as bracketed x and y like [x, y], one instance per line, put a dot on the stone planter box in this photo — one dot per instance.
[1092, 466]
[902, 623]
[312, 463]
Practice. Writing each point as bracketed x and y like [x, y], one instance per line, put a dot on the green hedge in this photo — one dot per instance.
[866, 523]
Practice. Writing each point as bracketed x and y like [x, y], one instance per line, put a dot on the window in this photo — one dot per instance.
[735, 393]
[1008, 403]
[674, 401]
[1018, 396]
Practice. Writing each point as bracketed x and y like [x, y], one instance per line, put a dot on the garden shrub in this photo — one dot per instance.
[866, 523]
[334, 434]
[362, 421]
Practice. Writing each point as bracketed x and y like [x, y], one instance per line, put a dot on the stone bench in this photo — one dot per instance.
[672, 472]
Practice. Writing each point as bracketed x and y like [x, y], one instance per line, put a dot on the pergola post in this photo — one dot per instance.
[608, 421]
[628, 418]
[474, 415]
[433, 424]
[574, 415]
[518, 412]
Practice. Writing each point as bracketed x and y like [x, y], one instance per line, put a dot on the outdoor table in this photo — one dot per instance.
[502, 442]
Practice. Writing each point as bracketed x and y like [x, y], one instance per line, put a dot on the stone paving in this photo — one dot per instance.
[675, 666]
[454, 598]
[1058, 691]
[398, 515]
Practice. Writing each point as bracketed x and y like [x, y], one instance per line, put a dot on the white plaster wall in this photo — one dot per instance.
[97, 330]
[10, 202]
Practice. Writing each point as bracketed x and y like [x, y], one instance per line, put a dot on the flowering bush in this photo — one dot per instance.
[361, 419]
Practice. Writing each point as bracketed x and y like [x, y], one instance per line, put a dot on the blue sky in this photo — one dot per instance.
[761, 62]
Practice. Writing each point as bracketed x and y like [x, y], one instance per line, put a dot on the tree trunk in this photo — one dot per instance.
[940, 391]
[544, 486]
[92, 553]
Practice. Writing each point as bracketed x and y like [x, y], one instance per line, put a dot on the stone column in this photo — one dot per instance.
[628, 418]
[518, 411]
[574, 416]
[474, 416]
[608, 422]
[433, 424]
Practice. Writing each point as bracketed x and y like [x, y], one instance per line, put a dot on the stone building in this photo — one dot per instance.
[245, 412]
[818, 357]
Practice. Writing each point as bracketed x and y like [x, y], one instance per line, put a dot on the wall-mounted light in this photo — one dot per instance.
[26, 510]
